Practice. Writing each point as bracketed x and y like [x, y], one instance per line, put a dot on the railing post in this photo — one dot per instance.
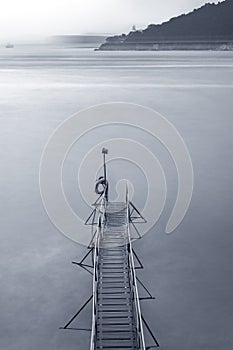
[139, 326]
[99, 231]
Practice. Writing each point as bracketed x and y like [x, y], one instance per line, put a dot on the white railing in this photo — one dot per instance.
[133, 284]
[99, 231]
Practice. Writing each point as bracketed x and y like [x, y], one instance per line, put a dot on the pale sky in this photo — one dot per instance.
[30, 18]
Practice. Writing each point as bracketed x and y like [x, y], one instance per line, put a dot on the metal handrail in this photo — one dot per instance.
[139, 322]
[100, 226]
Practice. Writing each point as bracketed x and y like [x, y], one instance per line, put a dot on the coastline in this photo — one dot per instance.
[223, 45]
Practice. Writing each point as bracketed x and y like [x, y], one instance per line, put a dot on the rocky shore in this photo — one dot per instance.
[169, 45]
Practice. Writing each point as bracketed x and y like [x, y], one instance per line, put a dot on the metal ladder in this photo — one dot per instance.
[118, 323]
[115, 314]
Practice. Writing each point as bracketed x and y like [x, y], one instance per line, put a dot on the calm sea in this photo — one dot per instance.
[190, 272]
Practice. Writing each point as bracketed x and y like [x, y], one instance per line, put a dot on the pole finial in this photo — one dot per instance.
[105, 151]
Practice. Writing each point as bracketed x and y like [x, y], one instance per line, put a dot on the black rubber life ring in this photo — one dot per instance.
[103, 183]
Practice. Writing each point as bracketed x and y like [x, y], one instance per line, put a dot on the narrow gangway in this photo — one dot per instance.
[117, 322]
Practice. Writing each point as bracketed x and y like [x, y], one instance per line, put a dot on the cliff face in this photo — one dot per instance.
[208, 24]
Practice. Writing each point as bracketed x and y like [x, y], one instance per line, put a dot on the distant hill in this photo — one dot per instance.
[210, 26]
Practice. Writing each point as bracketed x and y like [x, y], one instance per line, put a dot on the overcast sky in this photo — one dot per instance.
[50, 17]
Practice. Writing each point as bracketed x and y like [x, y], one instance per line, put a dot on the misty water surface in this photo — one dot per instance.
[190, 271]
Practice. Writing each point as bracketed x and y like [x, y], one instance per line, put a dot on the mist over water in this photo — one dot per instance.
[189, 271]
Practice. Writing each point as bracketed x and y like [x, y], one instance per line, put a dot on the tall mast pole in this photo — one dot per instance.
[104, 152]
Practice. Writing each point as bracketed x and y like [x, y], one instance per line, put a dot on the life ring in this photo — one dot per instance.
[104, 185]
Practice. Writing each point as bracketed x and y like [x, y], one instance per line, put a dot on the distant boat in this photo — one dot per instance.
[9, 46]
